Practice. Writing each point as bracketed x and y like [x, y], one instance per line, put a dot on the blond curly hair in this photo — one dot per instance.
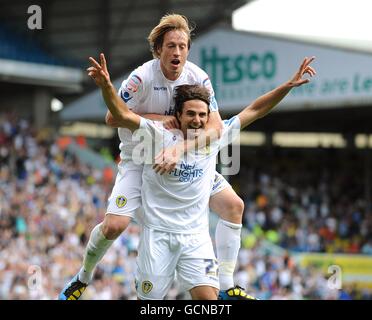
[167, 23]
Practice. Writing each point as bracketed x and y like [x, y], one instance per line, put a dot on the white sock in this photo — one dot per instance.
[95, 250]
[227, 247]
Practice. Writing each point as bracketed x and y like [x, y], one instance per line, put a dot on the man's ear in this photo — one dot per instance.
[178, 114]
[158, 51]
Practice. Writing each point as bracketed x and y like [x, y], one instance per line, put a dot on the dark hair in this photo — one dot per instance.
[188, 92]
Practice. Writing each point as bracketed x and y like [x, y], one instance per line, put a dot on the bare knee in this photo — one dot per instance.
[232, 210]
[228, 205]
[114, 225]
[236, 210]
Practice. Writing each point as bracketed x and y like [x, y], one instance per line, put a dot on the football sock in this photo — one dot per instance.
[227, 247]
[95, 250]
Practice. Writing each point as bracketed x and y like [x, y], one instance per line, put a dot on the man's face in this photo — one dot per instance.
[193, 118]
[173, 53]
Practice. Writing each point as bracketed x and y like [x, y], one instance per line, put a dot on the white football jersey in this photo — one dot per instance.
[179, 201]
[147, 90]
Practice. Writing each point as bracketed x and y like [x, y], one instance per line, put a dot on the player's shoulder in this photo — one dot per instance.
[155, 125]
[233, 122]
[146, 70]
[230, 131]
[195, 70]
[150, 66]
[140, 77]
[198, 75]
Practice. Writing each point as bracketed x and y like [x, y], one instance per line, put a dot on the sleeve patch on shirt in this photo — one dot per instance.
[133, 83]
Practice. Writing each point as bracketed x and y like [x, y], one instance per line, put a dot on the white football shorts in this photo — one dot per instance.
[125, 198]
[162, 256]
[219, 184]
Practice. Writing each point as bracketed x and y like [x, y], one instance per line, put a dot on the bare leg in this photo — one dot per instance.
[203, 293]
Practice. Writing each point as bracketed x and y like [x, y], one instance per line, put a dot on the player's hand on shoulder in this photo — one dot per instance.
[170, 122]
[168, 158]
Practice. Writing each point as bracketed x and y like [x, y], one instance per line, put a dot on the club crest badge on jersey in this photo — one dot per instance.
[146, 286]
[121, 201]
[204, 151]
[207, 150]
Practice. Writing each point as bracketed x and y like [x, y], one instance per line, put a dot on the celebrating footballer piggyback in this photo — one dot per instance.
[175, 236]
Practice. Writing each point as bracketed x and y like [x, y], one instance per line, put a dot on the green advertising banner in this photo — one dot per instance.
[350, 268]
[243, 66]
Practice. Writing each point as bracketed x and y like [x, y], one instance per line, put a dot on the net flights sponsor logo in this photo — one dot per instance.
[187, 172]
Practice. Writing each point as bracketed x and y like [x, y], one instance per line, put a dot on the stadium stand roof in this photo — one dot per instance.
[322, 110]
[73, 30]
[77, 29]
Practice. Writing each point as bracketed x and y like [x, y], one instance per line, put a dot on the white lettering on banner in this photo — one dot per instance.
[242, 66]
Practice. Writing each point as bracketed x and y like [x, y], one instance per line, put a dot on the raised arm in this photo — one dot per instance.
[110, 121]
[123, 117]
[264, 104]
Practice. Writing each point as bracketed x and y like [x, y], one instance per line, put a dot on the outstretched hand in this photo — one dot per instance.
[98, 72]
[305, 67]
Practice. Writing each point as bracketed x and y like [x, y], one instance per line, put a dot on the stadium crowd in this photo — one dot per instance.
[315, 203]
[50, 201]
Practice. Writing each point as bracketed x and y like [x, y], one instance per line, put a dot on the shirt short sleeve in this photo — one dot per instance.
[213, 105]
[132, 89]
[231, 131]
